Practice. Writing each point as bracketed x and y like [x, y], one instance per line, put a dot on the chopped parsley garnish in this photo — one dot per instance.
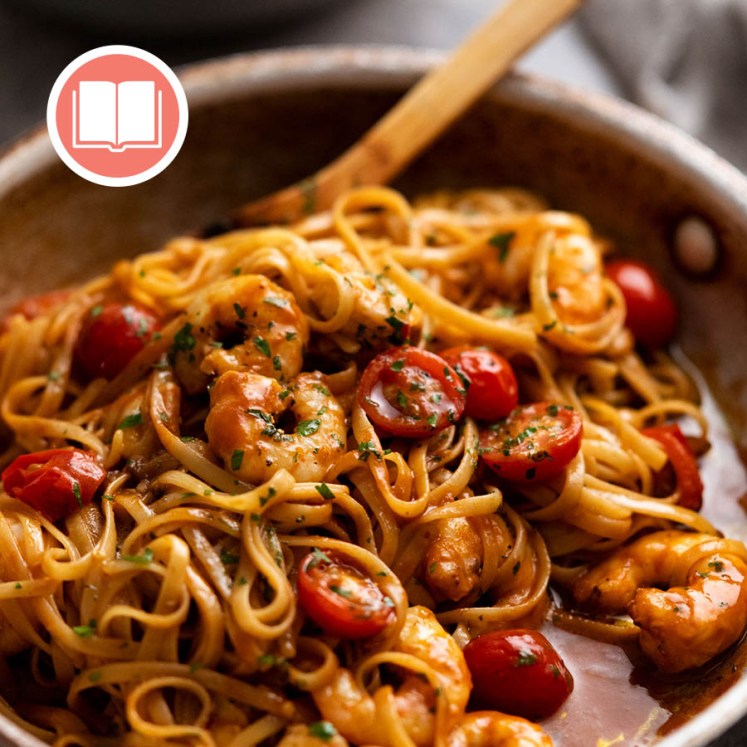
[85, 631]
[184, 339]
[131, 421]
[240, 311]
[237, 458]
[96, 311]
[308, 427]
[525, 659]
[502, 242]
[397, 365]
[432, 420]
[322, 729]
[228, 558]
[325, 491]
[263, 346]
[76, 493]
[339, 590]
[143, 559]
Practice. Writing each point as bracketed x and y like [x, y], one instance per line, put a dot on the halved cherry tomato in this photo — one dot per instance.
[652, 314]
[683, 463]
[56, 482]
[111, 337]
[492, 391]
[410, 392]
[535, 442]
[517, 672]
[340, 598]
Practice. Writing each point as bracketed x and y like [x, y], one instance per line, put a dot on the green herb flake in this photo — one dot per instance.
[240, 311]
[325, 491]
[308, 427]
[276, 364]
[525, 659]
[54, 376]
[397, 365]
[76, 493]
[322, 730]
[85, 631]
[195, 666]
[339, 590]
[19, 585]
[263, 346]
[94, 676]
[432, 567]
[717, 566]
[290, 336]
[131, 421]
[184, 339]
[96, 311]
[432, 420]
[502, 242]
[401, 399]
[237, 458]
[395, 323]
[228, 558]
[144, 558]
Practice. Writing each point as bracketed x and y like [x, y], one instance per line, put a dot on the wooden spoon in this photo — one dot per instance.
[421, 115]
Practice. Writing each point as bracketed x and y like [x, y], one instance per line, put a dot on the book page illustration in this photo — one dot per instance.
[117, 116]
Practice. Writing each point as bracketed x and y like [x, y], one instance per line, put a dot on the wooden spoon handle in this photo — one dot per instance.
[422, 114]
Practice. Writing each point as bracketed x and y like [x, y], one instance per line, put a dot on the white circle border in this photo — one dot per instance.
[133, 179]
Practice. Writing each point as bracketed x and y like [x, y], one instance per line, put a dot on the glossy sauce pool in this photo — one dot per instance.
[615, 702]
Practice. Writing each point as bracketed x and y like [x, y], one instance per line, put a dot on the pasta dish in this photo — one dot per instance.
[322, 484]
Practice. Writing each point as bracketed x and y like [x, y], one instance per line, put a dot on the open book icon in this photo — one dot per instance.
[117, 116]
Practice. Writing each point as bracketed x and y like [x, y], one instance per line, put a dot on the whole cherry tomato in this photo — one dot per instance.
[517, 672]
[535, 442]
[492, 391]
[410, 392]
[56, 482]
[683, 463]
[652, 314]
[111, 337]
[341, 599]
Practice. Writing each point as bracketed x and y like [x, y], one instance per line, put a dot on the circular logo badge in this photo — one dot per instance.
[117, 115]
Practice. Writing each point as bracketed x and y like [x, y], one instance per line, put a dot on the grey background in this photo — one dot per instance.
[34, 50]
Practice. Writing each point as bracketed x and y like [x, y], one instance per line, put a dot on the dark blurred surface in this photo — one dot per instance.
[34, 49]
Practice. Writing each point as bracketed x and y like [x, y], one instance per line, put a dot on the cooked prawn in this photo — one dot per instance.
[356, 714]
[245, 323]
[380, 310]
[574, 279]
[702, 614]
[491, 729]
[242, 426]
[453, 560]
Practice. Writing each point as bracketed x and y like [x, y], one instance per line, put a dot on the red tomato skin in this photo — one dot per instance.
[517, 672]
[388, 418]
[683, 463]
[336, 614]
[111, 338]
[651, 311]
[553, 452]
[46, 480]
[32, 307]
[493, 391]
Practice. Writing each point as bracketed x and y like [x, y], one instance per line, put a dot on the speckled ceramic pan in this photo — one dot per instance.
[262, 121]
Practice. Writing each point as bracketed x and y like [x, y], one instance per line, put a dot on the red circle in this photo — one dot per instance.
[117, 69]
